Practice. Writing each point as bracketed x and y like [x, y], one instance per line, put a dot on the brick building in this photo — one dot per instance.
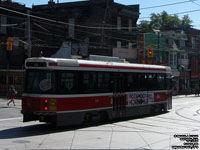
[98, 26]
[13, 53]
[193, 49]
[12, 28]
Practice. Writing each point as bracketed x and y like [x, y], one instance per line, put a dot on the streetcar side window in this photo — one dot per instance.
[67, 82]
[89, 82]
[118, 82]
[152, 81]
[132, 82]
[103, 81]
[161, 81]
[143, 82]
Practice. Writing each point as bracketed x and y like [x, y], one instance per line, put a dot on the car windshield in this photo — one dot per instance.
[39, 81]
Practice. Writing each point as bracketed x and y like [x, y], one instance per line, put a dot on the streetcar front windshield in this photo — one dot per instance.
[40, 81]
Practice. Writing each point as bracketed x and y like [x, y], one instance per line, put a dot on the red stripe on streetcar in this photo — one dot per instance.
[53, 64]
[67, 104]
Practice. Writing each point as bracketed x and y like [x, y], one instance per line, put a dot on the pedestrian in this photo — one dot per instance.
[11, 93]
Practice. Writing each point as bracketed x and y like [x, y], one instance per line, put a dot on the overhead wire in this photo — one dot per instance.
[81, 40]
[178, 13]
[97, 27]
[63, 38]
[171, 4]
[78, 30]
[194, 2]
[64, 23]
[97, 34]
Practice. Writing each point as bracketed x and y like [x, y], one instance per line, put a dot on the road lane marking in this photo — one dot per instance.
[8, 119]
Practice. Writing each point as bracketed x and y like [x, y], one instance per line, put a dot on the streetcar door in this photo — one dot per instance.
[119, 97]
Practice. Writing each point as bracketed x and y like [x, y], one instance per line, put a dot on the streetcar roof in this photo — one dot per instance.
[61, 62]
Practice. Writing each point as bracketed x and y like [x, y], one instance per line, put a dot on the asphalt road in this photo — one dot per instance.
[178, 128]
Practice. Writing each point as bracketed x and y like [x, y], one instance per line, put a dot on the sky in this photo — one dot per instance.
[191, 7]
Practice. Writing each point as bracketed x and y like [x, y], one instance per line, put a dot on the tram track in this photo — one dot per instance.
[198, 111]
[172, 121]
[177, 112]
[150, 131]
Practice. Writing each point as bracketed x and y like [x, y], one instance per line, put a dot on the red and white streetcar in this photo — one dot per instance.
[70, 91]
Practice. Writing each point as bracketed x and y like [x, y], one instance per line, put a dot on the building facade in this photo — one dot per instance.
[92, 27]
[178, 60]
[193, 49]
[12, 48]
[153, 48]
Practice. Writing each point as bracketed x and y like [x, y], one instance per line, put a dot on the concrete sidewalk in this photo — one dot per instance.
[183, 96]
[5, 100]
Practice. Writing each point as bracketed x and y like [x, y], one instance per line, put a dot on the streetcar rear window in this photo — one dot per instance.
[38, 81]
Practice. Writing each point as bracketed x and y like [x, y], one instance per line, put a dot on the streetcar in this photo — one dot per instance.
[73, 91]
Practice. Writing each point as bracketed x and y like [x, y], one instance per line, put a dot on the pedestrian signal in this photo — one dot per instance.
[150, 53]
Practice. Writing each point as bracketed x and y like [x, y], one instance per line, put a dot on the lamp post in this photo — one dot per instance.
[182, 69]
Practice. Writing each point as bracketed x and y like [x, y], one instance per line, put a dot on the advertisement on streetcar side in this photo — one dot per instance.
[140, 98]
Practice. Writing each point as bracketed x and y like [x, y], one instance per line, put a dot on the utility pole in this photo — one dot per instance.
[104, 21]
[29, 34]
[158, 53]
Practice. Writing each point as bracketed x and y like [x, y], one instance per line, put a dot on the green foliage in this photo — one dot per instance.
[164, 21]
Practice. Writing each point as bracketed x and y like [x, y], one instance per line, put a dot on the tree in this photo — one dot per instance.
[164, 21]
[155, 22]
[144, 24]
[186, 21]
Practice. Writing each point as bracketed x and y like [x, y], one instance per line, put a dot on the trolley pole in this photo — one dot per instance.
[29, 33]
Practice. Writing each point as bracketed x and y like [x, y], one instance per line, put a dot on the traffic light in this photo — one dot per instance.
[9, 44]
[150, 53]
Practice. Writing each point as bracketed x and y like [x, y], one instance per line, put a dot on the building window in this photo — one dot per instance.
[130, 25]
[182, 43]
[173, 60]
[170, 42]
[130, 45]
[3, 24]
[193, 42]
[119, 44]
[119, 22]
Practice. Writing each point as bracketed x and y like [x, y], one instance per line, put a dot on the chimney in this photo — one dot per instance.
[51, 2]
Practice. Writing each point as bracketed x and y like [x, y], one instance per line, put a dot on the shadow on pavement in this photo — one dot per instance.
[43, 129]
[33, 130]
